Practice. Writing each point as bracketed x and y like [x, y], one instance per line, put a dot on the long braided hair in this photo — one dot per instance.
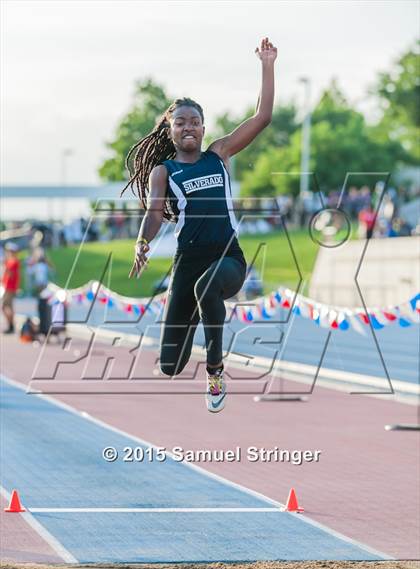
[150, 151]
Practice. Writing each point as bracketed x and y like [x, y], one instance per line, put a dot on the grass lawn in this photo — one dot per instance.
[272, 254]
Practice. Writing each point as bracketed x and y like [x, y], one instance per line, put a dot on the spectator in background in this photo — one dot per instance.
[110, 226]
[333, 198]
[27, 265]
[93, 231]
[10, 283]
[400, 228]
[38, 270]
[40, 274]
[119, 222]
[285, 206]
[364, 198]
[366, 222]
[62, 237]
[353, 202]
[83, 226]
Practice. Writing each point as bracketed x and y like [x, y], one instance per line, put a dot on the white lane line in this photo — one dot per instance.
[147, 510]
[347, 539]
[42, 532]
[200, 469]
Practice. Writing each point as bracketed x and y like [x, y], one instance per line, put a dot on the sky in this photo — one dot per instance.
[69, 66]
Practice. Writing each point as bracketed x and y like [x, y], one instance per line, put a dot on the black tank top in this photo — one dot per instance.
[200, 195]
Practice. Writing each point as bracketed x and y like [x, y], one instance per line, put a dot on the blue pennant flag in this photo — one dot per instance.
[249, 315]
[90, 295]
[414, 301]
[375, 323]
[265, 314]
[296, 309]
[136, 309]
[110, 302]
[277, 296]
[344, 325]
[404, 323]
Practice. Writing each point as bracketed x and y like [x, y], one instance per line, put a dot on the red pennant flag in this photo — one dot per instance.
[363, 317]
[389, 316]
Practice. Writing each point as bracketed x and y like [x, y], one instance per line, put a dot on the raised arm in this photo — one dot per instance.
[152, 219]
[245, 133]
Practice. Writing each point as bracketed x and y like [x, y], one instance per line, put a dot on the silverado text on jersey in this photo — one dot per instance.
[200, 196]
[203, 182]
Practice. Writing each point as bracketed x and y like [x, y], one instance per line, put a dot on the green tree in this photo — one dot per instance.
[274, 172]
[398, 94]
[341, 142]
[150, 102]
[277, 135]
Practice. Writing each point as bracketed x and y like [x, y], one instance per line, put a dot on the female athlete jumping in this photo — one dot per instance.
[177, 181]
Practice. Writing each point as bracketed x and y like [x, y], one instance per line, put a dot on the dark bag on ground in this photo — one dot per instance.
[44, 314]
[28, 331]
[51, 316]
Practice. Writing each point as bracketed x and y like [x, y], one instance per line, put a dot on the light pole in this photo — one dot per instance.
[306, 138]
[65, 154]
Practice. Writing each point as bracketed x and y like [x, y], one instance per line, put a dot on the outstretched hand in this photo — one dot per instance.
[266, 52]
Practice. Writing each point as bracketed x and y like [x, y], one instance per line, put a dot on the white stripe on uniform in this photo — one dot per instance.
[182, 202]
[229, 202]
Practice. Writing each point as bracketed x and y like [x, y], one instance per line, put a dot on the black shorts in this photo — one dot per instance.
[211, 252]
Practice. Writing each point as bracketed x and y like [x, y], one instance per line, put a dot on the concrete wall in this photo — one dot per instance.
[389, 273]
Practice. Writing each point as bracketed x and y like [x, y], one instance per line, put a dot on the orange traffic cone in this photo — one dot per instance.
[15, 505]
[292, 503]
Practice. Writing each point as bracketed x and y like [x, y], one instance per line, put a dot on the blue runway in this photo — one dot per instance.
[53, 456]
